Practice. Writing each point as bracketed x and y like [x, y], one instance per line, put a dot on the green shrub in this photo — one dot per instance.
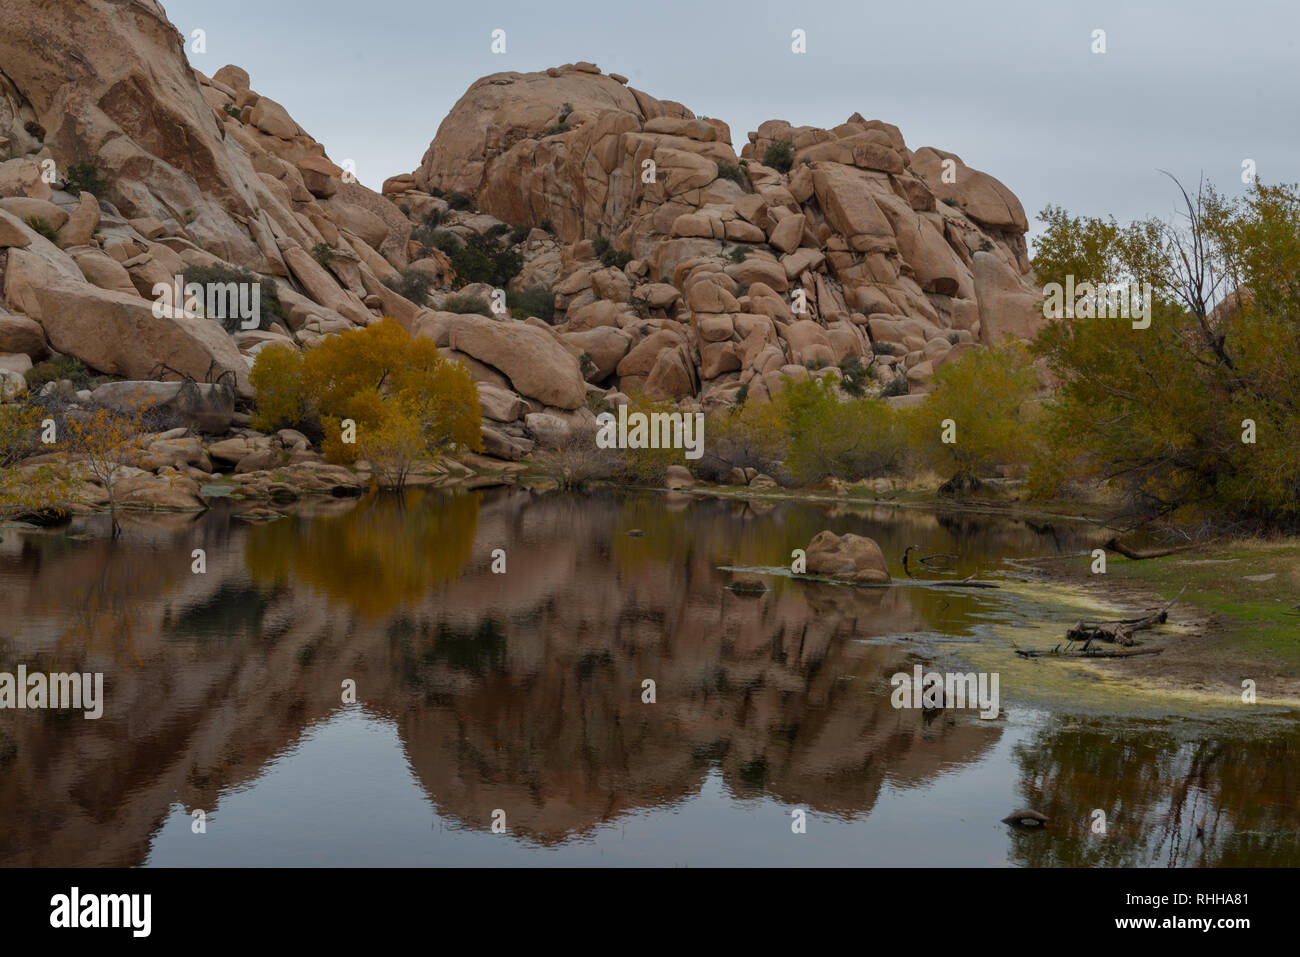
[412, 284]
[85, 178]
[950, 200]
[780, 156]
[433, 217]
[269, 305]
[742, 394]
[830, 438]
[44, 228]
[738, 254]
[444, 241]
[587, 364]
[608, 255]
[895, 386]
[497, 231]
[519, 234]
[732, 172]
[461, 201]
[536, 301]
[323, 253]
[884, 348]
[482, 259]
[854, 375]
[557, 129]
[467, 304]
[54, 369]
[34, 129]
[954, 338]
[232, 110]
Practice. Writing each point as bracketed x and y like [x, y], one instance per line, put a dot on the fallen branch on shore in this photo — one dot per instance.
[1115, 545]
[1098, 653]
[1118, 632]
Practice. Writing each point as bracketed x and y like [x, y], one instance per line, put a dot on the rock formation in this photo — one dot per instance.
[676, 267]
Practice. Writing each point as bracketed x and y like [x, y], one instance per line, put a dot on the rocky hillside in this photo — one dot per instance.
[646, 254]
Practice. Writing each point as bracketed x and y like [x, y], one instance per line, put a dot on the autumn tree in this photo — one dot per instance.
[980, 416]
[1194, 416]
[378, 392]
[28, 489]
[105, 440]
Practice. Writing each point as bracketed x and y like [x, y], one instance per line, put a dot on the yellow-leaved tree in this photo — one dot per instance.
[378, 393]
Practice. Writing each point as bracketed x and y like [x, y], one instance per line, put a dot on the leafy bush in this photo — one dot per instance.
[779, 155]
[323, 253]
[39, 225]
[884, 348]
[482, 259]
[732, 172]
[461, 201]
[519, 234]
[557, 129]
[412, 284]
[85, 178]
[830, 438]
[269, 306]
[536, 301]
[895, 386]
[854, 375]
[54, 369]
[467, 304]
[738, 254]
[232, 110]
[989, 396]
[407, 402]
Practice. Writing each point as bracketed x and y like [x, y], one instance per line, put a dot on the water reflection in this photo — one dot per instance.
[523, 691]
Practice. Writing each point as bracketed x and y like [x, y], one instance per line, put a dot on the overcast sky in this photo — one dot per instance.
[1012, 87]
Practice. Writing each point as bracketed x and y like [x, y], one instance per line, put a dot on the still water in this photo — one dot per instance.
[518, 697]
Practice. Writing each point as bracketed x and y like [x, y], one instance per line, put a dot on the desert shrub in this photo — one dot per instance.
[462, 201]
[467, 304]
[41, 226]
[482, 259]
[832, 438]
[412, 284]
[577, 461]
[269, 307]
[34, 129]
[54, 369]
[732, 172]
[779, 155]
[519, 234]
[895, 386]
[434, 217]
[950, 201]
[953, 337]
[557, 129]
[231, 110]
[884, 348]
[738, 254]
[854, 375]
[536, 301]
[748, 435]
[85, 178]
[323, 253]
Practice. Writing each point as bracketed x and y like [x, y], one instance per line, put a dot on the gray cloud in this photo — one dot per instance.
[1194, 87]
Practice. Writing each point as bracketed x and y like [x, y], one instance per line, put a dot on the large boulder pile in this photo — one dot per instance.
[676, 267]
[732, 275]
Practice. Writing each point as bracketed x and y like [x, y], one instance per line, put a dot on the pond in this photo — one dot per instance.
[502, 717]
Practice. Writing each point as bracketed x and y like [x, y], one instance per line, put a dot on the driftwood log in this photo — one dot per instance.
[1115, 545]
[1097, 653]
[1118, 632]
